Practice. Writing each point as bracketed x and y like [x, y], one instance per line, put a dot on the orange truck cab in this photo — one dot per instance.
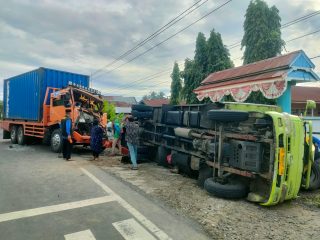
[85, 105]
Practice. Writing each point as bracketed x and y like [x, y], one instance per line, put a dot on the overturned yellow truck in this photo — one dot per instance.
[240, 150]
[235, 150]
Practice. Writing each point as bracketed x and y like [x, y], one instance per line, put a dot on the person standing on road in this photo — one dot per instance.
[66, 132]
[132, 134]
[96, 139]
[116, 137]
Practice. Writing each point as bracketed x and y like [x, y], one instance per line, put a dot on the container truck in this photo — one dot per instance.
[35, 102]
[235, 150]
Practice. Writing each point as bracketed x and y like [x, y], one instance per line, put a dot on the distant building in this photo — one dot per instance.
[156, 102]
[299, 97]
[115, 99]
[122, 104]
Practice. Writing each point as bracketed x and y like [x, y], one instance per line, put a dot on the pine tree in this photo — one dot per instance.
[262, 35]
[262, 38]
[176, 85]
[218, 54]
[194, 70]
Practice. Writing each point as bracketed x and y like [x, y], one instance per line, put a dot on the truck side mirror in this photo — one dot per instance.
[310, 106]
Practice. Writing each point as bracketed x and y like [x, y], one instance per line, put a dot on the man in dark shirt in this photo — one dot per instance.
[132, 138]
[66, 132]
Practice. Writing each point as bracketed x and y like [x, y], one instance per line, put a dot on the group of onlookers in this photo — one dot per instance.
[126, 130]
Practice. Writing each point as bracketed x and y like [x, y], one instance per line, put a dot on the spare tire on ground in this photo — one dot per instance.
[230, 190]
[223, 115]
[141, 108]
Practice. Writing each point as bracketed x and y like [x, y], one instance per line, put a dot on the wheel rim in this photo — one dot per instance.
[56, 140]
[13, 134]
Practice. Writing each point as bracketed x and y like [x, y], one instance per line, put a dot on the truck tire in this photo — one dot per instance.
[21, 138]
[47, 137]
[56, 141]
[205, 172]
[315, 175]
[161, 157]
[6, 134]
[227, 115]
[230, 190]
[141, 108]
[13, 134]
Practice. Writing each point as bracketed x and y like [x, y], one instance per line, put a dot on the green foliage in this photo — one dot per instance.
[262, 35]
[110, 109]
[210, 56]
[201, 52]
[154, 95]
[192, 77]
[176, 85]
[262, 38]
[218, 54]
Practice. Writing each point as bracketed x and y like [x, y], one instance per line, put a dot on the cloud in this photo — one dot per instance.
[83, 36]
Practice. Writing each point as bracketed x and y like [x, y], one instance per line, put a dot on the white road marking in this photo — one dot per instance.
[142, 219]
[83, 235]
[131, 230]
[54, 208]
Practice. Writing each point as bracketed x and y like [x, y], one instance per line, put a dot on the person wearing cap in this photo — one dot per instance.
[116, 137]
[132, 138]
[66, 132]
[96, 139]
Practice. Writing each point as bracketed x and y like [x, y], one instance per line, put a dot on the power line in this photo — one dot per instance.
[315, 57]
[160, 43]
[148, 79]
[300, 19]
[155, 34]
[138, 82]
[290, 23]
[305, 35]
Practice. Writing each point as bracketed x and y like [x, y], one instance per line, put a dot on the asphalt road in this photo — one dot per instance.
[44, 197]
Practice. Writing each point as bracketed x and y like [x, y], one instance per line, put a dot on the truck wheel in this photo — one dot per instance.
[13, 134]
[21, 138]
[161, 157]
[228, 115]
[315, 175]
[56, 141]
[205, 172]
[230, 190]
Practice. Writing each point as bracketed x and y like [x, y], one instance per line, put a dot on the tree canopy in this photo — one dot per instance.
[176, 85]
[110, 109]
[262, 38]
[262, 34]
[210, 56]
[154, 95]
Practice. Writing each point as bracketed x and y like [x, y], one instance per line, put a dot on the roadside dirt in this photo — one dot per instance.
[223, 219]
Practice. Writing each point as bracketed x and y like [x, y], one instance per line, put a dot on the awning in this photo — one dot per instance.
[270, 77]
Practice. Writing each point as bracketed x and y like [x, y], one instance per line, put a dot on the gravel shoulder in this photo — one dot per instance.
[220, 218]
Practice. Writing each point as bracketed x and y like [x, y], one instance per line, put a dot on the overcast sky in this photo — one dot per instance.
[83, 36]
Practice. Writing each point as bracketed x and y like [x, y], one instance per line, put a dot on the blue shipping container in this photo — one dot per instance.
[24, 94]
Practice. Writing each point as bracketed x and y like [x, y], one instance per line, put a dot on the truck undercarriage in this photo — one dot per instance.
[235, 150]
